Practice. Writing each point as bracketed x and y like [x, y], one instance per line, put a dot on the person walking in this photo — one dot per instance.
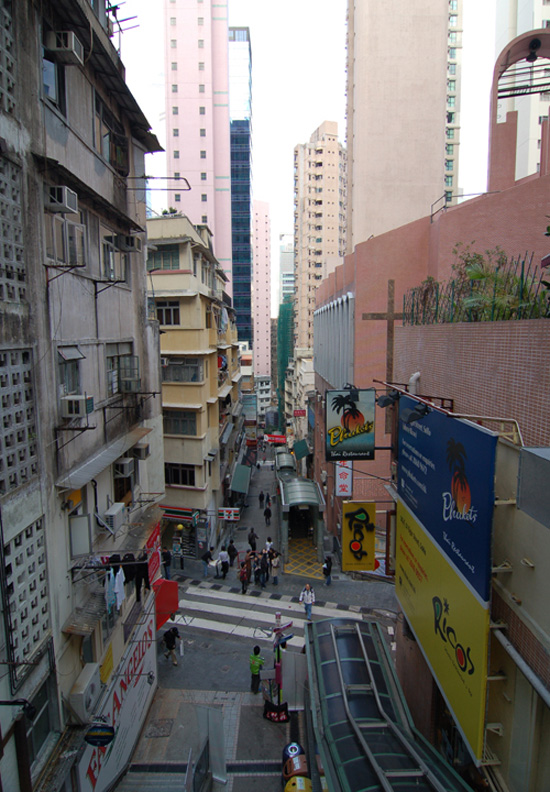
[206, 558]
[261, 497]
[170, 638]
[275, 564]
[308, 598]
[327, 569]
[267, 499]
[256, 663]
[166, 562]
[256, 569]
[269, 544]
[267, 516]
[264, 568]
[232, 552]
[252, 536]
[223, 561]
[244, 577]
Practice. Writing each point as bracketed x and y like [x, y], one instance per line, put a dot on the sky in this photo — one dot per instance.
[298, 81]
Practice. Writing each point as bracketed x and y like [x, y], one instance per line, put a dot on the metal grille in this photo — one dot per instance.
[18, 446]
[7, 61]
[12, 268]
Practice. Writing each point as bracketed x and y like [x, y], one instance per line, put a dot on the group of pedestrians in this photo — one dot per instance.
[259, 565]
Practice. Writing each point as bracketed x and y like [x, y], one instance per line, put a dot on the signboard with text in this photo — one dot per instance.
[343, 479]
[229, 514]
[349, 424]
[299, 413]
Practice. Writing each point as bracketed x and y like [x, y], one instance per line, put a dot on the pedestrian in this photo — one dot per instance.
[267, 515]
[267, 499]
[170, 638]
[275, 564]
[252, 536]
[232, 552]
[327, 568]
[261, 499]
[223, 561]
[308, 598]
[244, 577]
[256, 569]
[166, 562]
[206, 559]
[268, 543]
[256, 663]
[264, 568]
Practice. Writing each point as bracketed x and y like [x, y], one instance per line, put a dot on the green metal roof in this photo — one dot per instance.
[296, 491]
[241, 479]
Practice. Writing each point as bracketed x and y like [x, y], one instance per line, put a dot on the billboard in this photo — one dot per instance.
[358, 536]
[446, 472]
[349, 424]
[450, 623]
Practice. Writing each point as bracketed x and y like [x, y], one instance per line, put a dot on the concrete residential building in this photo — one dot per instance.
[240, 112]
[513, 19]
[81, 437]
[200, 377]
[286, 266]
[319, 221]
[262, 290]
[396, 119]
[197, 119]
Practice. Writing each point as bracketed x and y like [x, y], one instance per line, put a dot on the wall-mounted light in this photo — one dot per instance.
[387, 399]
[410, 415]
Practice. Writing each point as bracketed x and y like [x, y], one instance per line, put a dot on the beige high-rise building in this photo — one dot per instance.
[319, 221]
[403, 76]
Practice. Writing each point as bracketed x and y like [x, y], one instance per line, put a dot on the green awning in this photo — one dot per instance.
[241, 479]
[300, 449]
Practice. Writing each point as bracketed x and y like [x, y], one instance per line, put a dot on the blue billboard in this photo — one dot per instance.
[446, 476]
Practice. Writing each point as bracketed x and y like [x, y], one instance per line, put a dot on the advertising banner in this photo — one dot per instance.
[153, 552]
[450, 623]
[358, 536]
[124, 705]
[343, 479]
[446, 476]
[350, 424]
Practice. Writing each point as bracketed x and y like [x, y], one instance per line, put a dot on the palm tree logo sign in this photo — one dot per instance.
[460, 488]
[352, 422]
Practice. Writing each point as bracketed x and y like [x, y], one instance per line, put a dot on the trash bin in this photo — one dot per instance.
[290, 750]
[295, 766]
[298, 784]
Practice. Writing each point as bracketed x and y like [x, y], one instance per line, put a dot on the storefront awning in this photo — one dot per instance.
[82, 474]
[241, 479]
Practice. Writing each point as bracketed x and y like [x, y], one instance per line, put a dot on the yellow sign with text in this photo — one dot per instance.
[358, 535]
[449, 622]
[106, 668]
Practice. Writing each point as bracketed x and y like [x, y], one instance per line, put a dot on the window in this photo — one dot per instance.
[451, 101]
[177, 197]
[179, 475]
[201, 43]
[449, 165]
[172, 21]
[453, 5]
[115, 261]
[201, 66]
[453, 19]
[65, 239]
[200, 21]
[168, 312]
[202, 110]
[181, 422]
[38, 730]
[543, 118]
[175, 132]
[203, 176]
[448, 181]
[175, 110]
[203, 154]
[204, 219]
[201, 88]
[450, 133]
[173, 43]
[203, 132]
[176, 175]
[452, 37]
[174, 65]
[69, 370]
[176, 154]
[451, 85]
[450, 118]
[166, 257]
[110, 140]
[448, 196]
[452, 68]
[53, 82]
[174, 88]
[204, 197]
[452, 52]
[183, 369]
[120, 364]
[449, 148]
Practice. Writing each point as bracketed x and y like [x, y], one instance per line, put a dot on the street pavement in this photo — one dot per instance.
[219, 627]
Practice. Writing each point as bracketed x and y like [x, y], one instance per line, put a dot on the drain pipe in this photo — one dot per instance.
[526, 670]
[412, 382]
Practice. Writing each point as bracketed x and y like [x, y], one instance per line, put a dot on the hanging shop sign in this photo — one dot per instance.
[349, 424]
[358, 536]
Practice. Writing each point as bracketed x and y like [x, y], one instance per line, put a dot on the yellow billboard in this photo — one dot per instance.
[450, 622]
[358, 534]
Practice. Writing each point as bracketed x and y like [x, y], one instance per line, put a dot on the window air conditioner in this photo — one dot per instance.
[61, 199]
[141, 451]
[65, 44]
[129, 244]
[85, 692]
[114, 516]
[76, 406]
[124, 467]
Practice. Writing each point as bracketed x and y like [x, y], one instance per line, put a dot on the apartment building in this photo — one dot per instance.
[81, 437]
[198, 160]
[200, 377]
[262, 289]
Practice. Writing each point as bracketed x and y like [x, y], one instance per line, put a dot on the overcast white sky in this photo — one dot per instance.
[298, 61]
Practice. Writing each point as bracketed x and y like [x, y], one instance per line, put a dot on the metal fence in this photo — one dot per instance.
[514, 289]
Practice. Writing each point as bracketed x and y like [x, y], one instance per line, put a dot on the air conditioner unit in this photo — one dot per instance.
[65, 44]
[85, 692]
[114, 516]
[164, 362]
[141, 451]
[60, 199]
[76, 406]
[130, 385]
[129, 244]
[124, 467]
